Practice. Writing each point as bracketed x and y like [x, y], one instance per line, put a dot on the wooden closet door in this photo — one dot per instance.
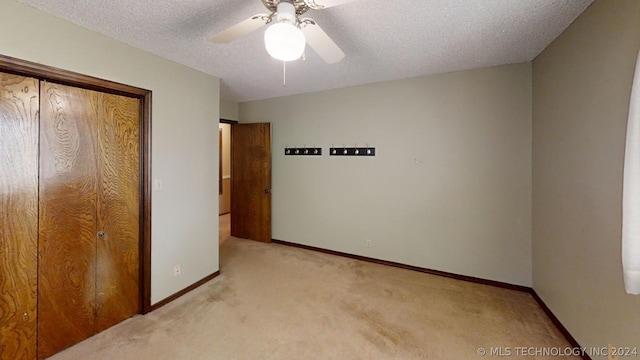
[90, 210]
[118, 274]
[18, 215]
[67, 243]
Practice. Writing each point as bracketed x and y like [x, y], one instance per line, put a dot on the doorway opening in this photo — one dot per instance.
[250, 181]
[224, 184]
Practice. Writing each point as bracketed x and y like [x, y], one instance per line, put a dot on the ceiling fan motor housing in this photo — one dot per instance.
[286, 13]
[301, 6]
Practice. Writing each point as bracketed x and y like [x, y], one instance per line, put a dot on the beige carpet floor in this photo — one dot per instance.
[272, 301]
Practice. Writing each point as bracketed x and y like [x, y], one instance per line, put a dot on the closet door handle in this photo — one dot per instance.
[100, 233]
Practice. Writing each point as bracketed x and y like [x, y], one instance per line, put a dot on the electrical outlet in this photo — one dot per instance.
[368, 243]
[176, 271]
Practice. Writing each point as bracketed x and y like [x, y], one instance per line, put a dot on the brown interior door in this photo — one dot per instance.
[118, 212]
[67, 236]
[88, 274]
[18, 215]
[251, 181]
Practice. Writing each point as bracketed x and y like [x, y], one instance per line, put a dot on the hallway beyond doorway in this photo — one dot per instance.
[224, 227]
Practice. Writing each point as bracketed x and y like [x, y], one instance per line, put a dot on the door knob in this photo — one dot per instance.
[266, 191]
[100, 233]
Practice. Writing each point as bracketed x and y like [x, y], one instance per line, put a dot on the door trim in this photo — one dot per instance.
[43, 72]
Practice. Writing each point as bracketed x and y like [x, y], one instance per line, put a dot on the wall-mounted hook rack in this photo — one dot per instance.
[305, 151]
[352, 151]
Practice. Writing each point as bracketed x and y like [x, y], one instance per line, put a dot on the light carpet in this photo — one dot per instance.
[273, 301]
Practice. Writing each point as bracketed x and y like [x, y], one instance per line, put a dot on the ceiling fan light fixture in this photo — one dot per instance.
[284, 41]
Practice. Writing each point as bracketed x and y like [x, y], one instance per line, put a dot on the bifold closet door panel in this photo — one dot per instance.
[67, 234]
[18, 215]
[118, 274]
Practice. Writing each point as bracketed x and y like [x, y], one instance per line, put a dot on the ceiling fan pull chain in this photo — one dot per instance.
[284, 74]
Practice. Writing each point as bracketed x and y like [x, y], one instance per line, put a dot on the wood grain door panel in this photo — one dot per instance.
[89, 214]
[72, 163]
[118, 272]
[251, 181]
[67, 236]
[18, 215]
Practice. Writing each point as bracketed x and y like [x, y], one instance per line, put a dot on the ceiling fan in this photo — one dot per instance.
[287, 35]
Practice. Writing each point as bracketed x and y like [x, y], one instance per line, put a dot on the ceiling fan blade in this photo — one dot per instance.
[321, 42]
[240, 29]
[323, 4]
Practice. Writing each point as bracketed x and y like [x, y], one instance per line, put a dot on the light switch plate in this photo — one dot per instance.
[157, 184]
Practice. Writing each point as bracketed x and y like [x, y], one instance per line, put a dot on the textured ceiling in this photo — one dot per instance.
[382, 39]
